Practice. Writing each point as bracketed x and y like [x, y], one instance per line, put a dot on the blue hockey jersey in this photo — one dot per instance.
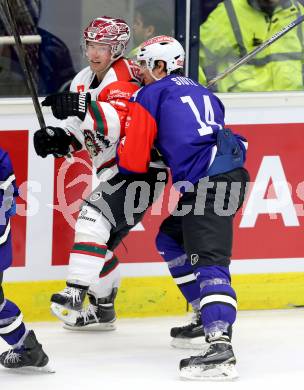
[185, 122]
[8, 191]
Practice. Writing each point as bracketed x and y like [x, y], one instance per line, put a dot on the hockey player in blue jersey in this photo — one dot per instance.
[25, 350]
[185, 121]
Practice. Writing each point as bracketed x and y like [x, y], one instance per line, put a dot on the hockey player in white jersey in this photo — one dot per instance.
[96, 109]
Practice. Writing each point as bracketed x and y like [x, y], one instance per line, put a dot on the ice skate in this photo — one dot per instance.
[216, 364]
[30, 356]
[67, 303]
[190, 336]
[98, 316]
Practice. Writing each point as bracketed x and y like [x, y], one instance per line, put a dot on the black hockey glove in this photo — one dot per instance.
[68, 104]
[54, 140]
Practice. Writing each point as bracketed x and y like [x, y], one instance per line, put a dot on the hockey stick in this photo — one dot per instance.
[250, 55]
[25, 39]
[24, 63]
[23, 58]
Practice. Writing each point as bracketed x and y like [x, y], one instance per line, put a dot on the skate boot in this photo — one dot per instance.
[30, 355]
[99, 315]
[67, 303]
[190, 336]
[217, 363]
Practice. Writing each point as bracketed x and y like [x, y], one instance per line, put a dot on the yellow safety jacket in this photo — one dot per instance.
[234, 29]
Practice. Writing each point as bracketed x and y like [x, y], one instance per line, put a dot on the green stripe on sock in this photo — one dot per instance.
[109, 266]
[90, 248]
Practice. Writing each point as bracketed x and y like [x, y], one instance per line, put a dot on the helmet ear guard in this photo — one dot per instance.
[118, 50]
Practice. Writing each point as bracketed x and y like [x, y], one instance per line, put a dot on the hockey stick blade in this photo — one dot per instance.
[253, 53]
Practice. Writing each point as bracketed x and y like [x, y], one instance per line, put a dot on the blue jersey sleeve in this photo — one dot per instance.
[8, 186]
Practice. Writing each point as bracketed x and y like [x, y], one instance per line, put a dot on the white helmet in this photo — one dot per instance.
[162, 48]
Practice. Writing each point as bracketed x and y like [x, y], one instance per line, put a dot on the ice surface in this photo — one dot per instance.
[269, 346]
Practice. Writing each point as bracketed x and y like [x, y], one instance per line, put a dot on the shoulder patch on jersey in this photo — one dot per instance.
[80, 88]
[81, 78]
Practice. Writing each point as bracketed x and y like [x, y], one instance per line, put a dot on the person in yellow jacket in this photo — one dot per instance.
[235, 28]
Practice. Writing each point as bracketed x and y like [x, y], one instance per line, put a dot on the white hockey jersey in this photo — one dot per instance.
[103, 125]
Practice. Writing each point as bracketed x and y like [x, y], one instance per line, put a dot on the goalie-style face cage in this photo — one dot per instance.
[109, 31]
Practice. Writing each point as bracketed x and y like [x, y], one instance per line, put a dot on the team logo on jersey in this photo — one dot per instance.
[95, 142]
[194, 258]
[90, 142]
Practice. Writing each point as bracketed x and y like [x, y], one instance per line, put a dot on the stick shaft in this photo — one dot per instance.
[25, 39]
[25, 64]
[253, 53]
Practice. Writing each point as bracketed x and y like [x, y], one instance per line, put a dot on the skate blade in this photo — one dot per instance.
[65, 315]
[222, 372]
[30, 370]
[106, 327]
[195, 343]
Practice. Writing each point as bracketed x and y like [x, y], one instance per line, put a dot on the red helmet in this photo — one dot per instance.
[109, 31]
